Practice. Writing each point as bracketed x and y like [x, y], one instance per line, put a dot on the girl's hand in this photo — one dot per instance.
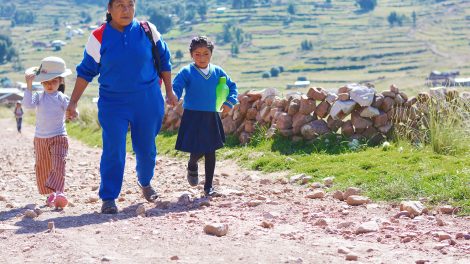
[71, 113]
[171, 98]
[29, 80]
[225, 109]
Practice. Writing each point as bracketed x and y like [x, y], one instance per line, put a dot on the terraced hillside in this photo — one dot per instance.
[348, 46]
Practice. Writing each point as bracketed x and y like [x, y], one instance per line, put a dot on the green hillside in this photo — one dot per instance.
[348, 45]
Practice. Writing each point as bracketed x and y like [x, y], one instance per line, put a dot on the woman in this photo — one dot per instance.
[129, 94]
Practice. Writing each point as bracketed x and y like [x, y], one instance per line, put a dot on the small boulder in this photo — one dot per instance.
[363, 95]
[316, 194]
[338, 195]
[322, 109]
[317, 93]
[267, 225]
[351, 257]
[415, 208]
[216, 229]
[30, 214]
[254, 203]
[357, 200]
[351, 191]
[140, 210]
[367, 227]
[447, 209]
[328, 181]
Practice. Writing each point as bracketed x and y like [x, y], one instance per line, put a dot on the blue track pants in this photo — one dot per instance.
[143, 112]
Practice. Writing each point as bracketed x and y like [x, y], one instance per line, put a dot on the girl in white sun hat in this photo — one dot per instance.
[50, 140]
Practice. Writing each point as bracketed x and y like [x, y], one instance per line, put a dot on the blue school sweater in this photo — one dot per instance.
[199, 88]
[123, 59]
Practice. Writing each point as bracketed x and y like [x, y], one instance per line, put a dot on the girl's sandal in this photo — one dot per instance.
[192, 177]
[109, 207]
[149, 192]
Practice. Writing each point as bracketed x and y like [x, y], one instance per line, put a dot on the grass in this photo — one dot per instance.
[399, 173]
[6, 112]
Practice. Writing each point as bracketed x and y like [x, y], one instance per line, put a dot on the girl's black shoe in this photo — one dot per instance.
[192, 177]
[212, 192]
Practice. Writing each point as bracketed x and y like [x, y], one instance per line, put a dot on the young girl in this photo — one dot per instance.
[201, 132]
[18, 116]
[50, 141]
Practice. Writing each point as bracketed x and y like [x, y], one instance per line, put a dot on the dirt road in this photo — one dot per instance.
[268, 219]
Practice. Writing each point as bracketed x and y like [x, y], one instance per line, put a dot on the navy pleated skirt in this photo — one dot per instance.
[200, 132]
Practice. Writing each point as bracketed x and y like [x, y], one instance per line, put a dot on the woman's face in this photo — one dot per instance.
[122, 12]
[202, 57]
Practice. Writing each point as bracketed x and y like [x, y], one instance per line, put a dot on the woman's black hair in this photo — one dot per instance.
[108, 15]
[201, 42]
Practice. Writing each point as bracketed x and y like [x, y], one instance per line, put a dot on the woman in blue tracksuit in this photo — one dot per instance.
[129, 94]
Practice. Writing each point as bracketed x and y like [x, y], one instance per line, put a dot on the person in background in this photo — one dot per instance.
[18, 115]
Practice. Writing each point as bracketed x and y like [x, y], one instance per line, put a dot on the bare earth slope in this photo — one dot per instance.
[296, 229]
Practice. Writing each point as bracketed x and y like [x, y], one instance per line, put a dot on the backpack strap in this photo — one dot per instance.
[156, 56]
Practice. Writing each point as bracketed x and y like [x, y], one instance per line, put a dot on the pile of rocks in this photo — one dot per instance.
[355, 111]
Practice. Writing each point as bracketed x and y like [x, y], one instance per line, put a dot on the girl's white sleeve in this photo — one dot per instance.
[30, 99]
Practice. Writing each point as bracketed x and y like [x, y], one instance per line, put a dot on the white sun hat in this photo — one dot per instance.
[50, 68]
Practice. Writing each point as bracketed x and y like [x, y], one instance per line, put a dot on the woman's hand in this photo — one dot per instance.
[171, 98]
[71, 113]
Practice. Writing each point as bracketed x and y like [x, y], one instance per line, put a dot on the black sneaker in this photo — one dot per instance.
[212, 192]
[109, 207]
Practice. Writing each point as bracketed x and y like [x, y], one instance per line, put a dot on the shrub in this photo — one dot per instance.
[291, 9]
[23, 17]
[266, 75]
[306, 45]
[275, 71]
[366, 5]
[394, 18]
[444, 125]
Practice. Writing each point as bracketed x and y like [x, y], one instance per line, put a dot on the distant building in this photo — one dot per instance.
[37, 86]
[220, 10]
[437, 78]
[10, 95]
[446, 79]
[461, 82]
[58, 43]
[299, 85]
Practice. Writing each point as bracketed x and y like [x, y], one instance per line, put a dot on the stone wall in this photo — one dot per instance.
[355, 111]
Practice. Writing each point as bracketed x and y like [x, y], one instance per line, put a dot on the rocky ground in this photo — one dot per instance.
[261, 219]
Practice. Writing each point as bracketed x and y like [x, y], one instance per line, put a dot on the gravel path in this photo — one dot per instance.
[269, 220]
